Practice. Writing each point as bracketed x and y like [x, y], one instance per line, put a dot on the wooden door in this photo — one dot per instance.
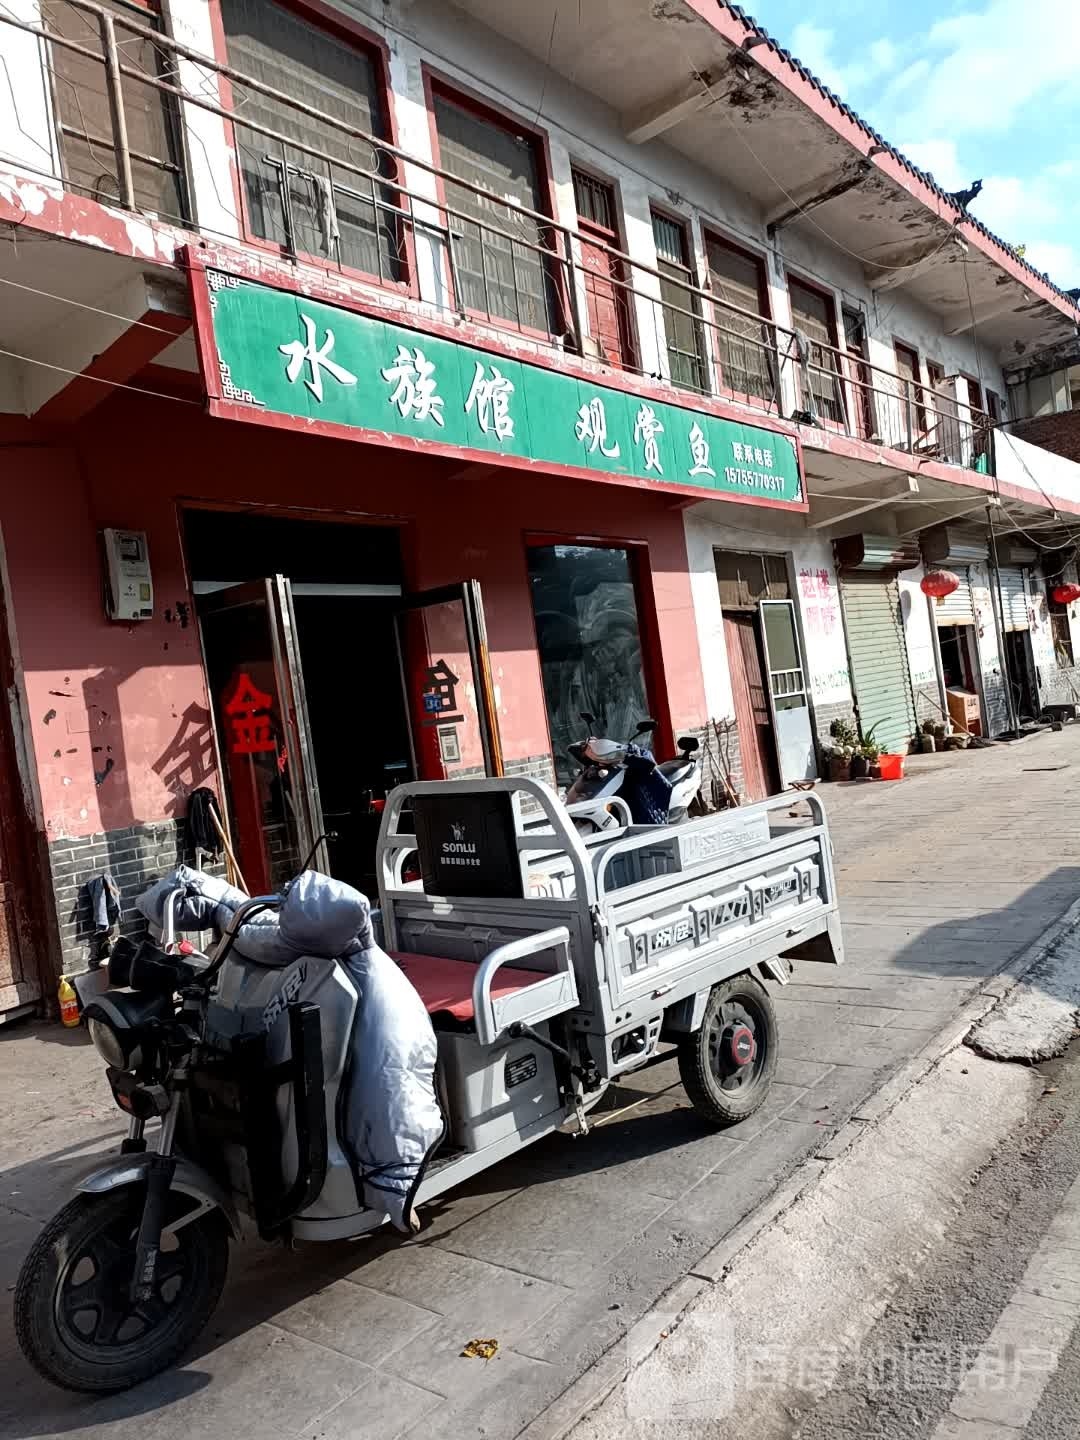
[607, 295]
[751, 703]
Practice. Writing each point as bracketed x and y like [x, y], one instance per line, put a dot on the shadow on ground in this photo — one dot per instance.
[656, 1129]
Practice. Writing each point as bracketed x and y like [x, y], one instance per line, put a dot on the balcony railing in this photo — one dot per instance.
[351, 201]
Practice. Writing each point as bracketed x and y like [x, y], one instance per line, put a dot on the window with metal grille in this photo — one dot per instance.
[745, 577]
[324, 194]
[603, 273]
[595, 202]
[502, 258]
[84, 117]
[743, 336]
[814, 316]
[683, 330]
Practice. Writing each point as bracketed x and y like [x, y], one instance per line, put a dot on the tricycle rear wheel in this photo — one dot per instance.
[74, 1317]
[727, 1065]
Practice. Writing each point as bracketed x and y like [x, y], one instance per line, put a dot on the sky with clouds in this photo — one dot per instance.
[967, 89]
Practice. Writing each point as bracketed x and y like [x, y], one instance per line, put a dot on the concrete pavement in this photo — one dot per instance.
[944, 877]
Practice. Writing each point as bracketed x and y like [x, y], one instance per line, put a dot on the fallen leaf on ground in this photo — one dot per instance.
[480, 1349]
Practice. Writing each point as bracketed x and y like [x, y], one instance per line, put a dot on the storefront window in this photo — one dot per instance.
[590, 643]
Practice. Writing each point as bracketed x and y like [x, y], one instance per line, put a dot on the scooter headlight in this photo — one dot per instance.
[109, 1044]
[119, 1025]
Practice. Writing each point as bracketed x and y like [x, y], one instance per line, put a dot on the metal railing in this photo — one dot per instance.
[339, 197]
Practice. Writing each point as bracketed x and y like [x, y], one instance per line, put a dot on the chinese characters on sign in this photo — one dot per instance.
[490, 394]
[591, 429]
[272, 352]
[247, 714]
[820, 610]
[699, 451]
[317, 357]
[646, 429]
[439, 695]
[415, 394]
[761, 477]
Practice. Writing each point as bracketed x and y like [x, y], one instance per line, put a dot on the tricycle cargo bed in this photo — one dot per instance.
[653, 917]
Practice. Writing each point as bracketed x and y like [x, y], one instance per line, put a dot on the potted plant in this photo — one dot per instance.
[866, 753]
[839, 762]
[844, 744]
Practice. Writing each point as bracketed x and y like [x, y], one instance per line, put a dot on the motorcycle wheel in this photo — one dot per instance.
[727, 1066]
[74, 1318]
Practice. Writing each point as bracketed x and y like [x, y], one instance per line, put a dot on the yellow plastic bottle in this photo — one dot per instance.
[69, 1002]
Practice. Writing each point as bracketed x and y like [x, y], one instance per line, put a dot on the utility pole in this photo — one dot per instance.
[997, 607]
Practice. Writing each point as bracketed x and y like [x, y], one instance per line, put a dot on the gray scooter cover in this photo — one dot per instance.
[391, 1120]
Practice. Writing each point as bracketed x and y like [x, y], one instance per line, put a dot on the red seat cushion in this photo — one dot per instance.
[446, 985]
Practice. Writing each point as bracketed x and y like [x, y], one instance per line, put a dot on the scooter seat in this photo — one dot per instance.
[446, 986]
[675, 770]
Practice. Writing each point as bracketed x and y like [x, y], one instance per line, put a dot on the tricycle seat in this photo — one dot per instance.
[446, 986]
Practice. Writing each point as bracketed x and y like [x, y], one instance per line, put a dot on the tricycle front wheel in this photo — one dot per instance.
[727, 1065]
[74, 1317]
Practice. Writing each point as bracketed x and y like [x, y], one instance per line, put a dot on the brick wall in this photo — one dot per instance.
[1057, 433]
[135, 857]
[537, 767]
[717, 758]
[928, 704]
[824, 715]
[1059, 685]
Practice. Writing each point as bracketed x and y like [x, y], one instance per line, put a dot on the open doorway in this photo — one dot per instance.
[309, 751]
[769, 690]
[1020, 665]
[960, 671]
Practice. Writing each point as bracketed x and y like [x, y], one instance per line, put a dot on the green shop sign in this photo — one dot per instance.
[290, 355]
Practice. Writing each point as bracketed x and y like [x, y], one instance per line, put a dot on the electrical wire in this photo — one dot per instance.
[99, 379]
[83, 305]
[547, 65]
[206, 82]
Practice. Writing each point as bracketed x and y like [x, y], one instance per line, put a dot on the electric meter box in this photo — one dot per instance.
[129, 590]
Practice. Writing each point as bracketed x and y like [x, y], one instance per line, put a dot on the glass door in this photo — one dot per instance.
[789, 698]
[260, 711]
[446, 678]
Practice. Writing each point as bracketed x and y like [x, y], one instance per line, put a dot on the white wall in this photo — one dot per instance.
[579, 128]
[1035, 469]
[921, 646]
[714, 525]
[583, 130]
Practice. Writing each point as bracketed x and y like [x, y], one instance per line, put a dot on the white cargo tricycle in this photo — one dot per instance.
[550, 963]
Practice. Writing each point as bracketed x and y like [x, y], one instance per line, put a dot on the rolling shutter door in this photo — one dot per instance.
[1014, 611]
[879, 664]
[959, 607]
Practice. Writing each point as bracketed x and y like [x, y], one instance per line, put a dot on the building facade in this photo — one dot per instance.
[385, 384]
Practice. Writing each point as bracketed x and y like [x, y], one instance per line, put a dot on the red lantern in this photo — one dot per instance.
[1065, 594]
[939, 583]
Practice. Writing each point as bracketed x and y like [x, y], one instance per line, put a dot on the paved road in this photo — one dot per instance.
[944, 879]
[985, 1344]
